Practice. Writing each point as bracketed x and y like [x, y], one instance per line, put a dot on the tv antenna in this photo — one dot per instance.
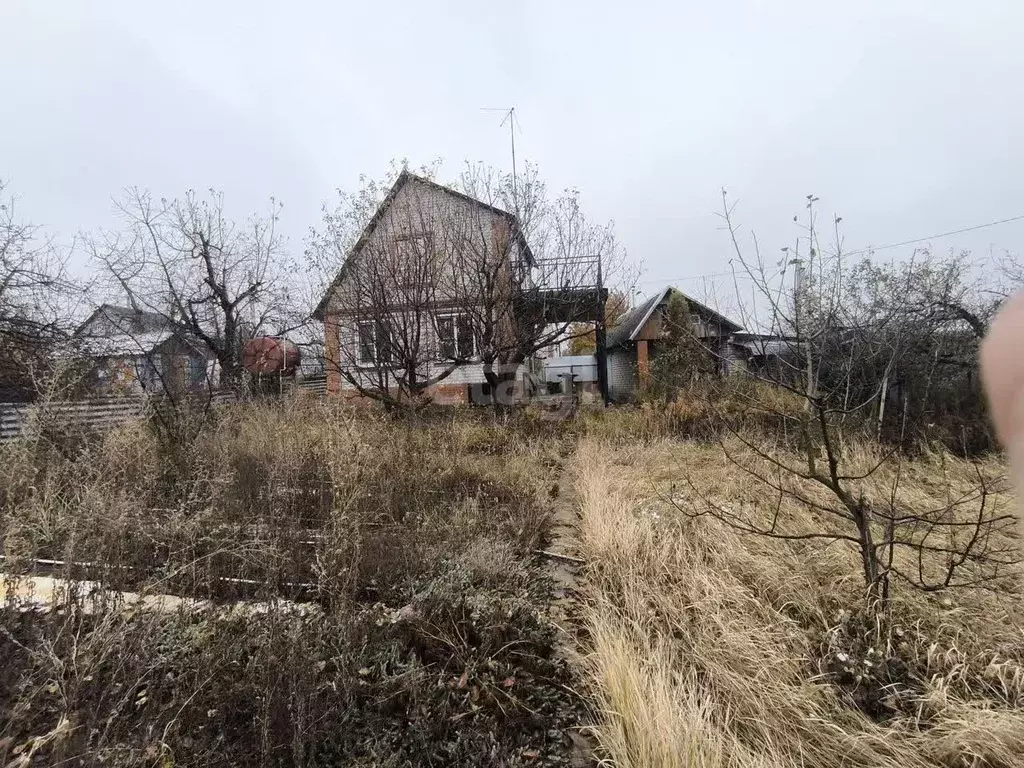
[513, 123]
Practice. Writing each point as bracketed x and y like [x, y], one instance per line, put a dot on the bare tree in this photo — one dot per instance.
[943, 291]
[36, 302]
[943, 310]
[683, 358]
[186, 260]
[843, 338]
[926, 317]
[1009, 275]
[392, 296]
[542, 282]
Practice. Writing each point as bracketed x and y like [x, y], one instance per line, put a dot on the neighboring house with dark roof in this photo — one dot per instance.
[133, 351]
[634, 342]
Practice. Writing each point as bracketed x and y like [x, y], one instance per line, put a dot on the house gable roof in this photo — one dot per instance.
[126, 319]
[403, 178]
[633, 322]
[132, 332]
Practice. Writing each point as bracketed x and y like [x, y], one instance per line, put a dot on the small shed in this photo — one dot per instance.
[633, 343]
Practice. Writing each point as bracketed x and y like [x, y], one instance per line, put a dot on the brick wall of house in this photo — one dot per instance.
[331, 354]
[468, 373]
[732, 357]
[622, 380]
[449, 394]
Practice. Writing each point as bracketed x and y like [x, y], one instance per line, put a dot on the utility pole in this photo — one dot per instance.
[799, 304]
[601, 338]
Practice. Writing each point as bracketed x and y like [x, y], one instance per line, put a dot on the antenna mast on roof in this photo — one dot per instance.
[510, 118]
[513, 121]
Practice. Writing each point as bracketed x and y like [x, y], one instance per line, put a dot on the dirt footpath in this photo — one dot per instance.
[565, 568]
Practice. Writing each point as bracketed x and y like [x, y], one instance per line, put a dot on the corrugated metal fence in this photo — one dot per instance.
[100, 413]
[95, 413]
[317, 384]
[106, 412]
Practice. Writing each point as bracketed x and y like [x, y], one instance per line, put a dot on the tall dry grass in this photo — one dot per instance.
[713, 648]
[704, 411]
[357, 590]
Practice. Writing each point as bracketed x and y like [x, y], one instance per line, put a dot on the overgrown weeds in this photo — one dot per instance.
[711, 647]
[392, 611]
[705, 410]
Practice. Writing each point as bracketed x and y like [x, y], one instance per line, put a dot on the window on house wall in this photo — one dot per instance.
[367, 343]
[455, 337]
[385, 345]
[196, 372]
[415, 249]
[375, 347]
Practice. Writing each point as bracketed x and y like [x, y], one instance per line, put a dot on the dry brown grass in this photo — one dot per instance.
[712, 648]
[709, 408]
[394, 608]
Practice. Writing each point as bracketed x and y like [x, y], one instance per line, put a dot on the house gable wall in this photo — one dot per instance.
[703, 326]
[454, 224]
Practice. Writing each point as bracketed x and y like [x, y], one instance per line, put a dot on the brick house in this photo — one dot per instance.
[417, 217]
[633, 343]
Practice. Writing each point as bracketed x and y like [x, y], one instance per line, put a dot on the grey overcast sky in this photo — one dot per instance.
[904, 117]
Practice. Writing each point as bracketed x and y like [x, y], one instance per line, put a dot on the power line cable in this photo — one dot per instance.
[937, 236]
[738, 275]
[871, 249]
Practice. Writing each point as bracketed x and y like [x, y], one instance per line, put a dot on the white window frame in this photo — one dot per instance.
[376, 362]
[372, 362]
[454, 317]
